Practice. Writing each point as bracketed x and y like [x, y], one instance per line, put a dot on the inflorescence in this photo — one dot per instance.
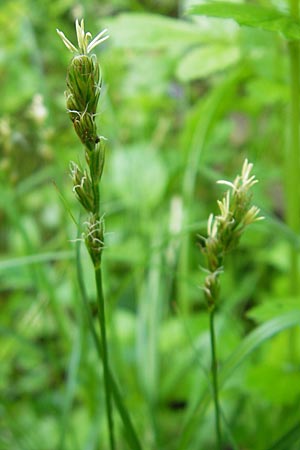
[82, 97]
[225, 229]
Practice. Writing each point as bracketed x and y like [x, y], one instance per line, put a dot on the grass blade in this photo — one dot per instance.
[289, 439]
[250, 343]
[257, 338]
[255, 16]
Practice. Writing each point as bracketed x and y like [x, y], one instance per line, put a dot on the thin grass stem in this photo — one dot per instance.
[293, 163]
[107, 383]
[214, 373]
[293, 154]
[130, 433]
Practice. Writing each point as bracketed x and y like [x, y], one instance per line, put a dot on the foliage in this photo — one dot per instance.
[187, 96]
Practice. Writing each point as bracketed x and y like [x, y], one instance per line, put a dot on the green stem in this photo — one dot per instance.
[293, 159]
[101, 313]
[293, 166]
[214, 373]
[130, 432]
[95, 181]
[107, 381]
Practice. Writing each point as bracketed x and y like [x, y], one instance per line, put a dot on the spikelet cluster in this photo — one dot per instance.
[225, 229]
[82, 98]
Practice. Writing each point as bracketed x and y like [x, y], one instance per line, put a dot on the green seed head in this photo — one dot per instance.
[225, 229]
[86, 129]
[84, 47]
[82, 186]
[82, 96]
[83, 85]
[94, 239]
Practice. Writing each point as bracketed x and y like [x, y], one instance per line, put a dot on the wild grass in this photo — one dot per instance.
[185, 99]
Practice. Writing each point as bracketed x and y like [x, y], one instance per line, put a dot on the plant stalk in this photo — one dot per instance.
[214, 373]
[293, 153]
[293, 166]
[129, 429]
[107, 381]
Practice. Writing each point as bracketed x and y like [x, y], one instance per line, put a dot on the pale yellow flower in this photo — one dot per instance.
[84, 47]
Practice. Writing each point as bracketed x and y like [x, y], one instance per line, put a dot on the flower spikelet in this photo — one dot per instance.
[225, 229]
[83, 84]
[94, 238]
[82, 98]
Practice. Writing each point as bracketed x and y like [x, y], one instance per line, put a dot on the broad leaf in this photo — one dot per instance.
[150, 31]
[251, 15]
[272, 307]
[207, 60]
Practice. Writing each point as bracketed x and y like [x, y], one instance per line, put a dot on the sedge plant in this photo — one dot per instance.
[82, 97]
[223, 234]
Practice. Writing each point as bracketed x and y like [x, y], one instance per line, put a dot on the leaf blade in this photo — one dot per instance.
[255, 16]
[153, 32]
[252, 341]
[288, 439]
[204, 61]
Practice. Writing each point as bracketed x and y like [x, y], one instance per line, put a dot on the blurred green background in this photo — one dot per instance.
[185, 99]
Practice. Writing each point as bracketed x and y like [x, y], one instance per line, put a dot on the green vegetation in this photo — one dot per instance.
[188, 93]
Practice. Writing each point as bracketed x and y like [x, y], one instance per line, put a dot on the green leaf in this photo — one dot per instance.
[256, 338]
[145, 161]
[38, 258]
[71, 384]
[150, 31]
[273, 307]
[250, 343]
[289, 439]
[262, 378]
[207, 60]
[252, 16]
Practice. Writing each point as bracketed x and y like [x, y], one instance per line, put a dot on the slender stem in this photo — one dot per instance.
[293, 212]
[293, 153]
[101, 311]
[293, 166]
[130, 432]
[107, 381]
[214, 373]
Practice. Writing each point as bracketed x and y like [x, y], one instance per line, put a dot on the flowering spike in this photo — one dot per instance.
[82, 97]
[225, 230]
[97, 40]
[227, 183]
[66, 41]
[83, 38]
